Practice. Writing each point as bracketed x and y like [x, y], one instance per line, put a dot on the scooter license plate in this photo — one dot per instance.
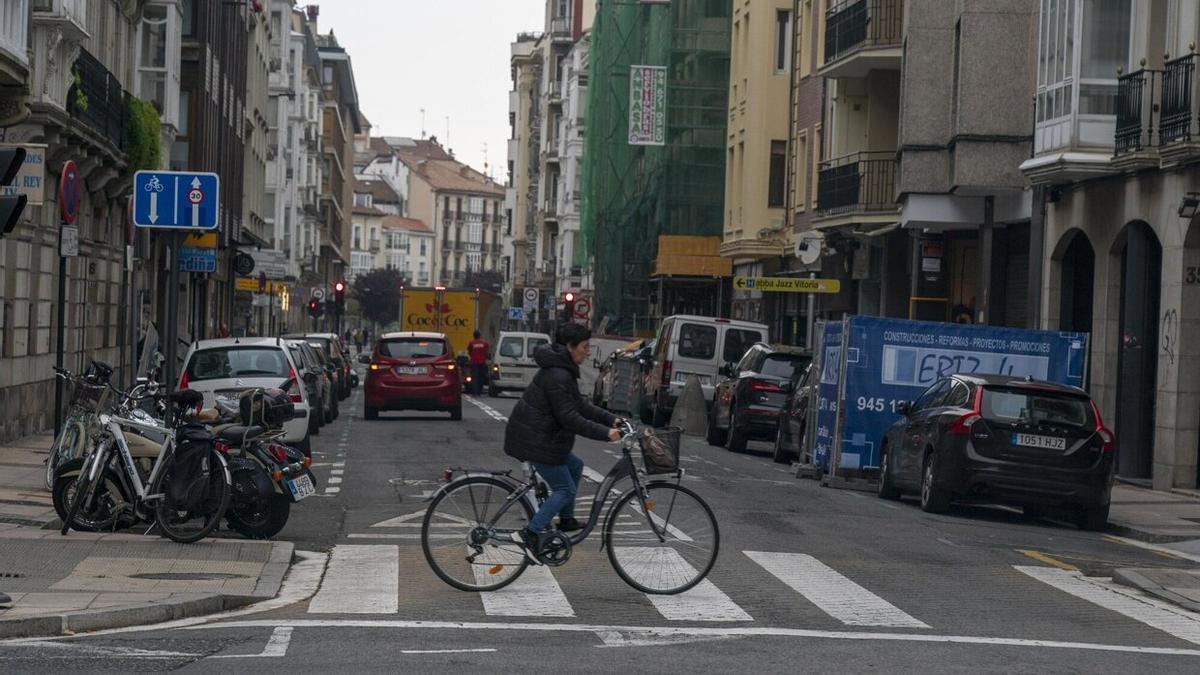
[301, 487]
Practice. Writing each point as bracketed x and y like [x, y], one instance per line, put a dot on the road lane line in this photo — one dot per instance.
[833, 593]
[360, 579]
[733, 631]
[277, 646]
[447, 651]
[1047, 559]
[534, 593]
[703, 602]
[1166, 618]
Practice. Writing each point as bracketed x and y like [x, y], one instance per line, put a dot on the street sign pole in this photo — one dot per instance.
[68, 208]
[812, 310]
[172, 327]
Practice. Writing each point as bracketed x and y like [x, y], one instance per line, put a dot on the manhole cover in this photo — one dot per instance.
[187, 576]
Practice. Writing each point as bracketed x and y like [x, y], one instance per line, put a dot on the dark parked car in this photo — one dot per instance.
[793, 417]
[747, 401]
[999, 439]
[331, 344]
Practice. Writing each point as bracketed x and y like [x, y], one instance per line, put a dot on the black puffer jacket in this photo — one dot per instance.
[543, 426]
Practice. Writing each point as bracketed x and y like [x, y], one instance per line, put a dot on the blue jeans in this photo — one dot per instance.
[564, 482]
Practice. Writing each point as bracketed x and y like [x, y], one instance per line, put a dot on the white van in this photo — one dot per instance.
[693, 345]
[513, 367]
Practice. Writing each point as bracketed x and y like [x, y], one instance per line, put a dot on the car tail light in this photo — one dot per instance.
[374, 366]
[666, 373]
[1105, 434]
[294, 388]
[183, 381]
[962, 425]
[763, 385]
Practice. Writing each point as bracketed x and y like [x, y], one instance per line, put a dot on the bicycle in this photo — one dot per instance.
[97, 490]
[660, 536]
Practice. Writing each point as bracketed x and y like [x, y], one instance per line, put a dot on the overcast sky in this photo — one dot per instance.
[449, 57]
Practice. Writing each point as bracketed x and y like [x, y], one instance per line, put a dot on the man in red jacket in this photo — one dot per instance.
[479, 350]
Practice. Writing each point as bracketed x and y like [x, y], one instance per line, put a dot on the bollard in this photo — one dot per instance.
[691, 413]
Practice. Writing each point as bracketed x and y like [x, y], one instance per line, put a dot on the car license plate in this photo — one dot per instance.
[1035, 441]
[410, 370]
[301, 487]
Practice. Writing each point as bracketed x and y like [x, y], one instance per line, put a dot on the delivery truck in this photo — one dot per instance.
[457, 313]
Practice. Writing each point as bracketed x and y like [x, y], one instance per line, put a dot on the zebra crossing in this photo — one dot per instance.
[539, 593]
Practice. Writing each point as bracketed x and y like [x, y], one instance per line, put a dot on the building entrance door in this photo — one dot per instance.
[1137, 360]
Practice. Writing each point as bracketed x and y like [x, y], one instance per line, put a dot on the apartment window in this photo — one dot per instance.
[327, 79]
[458, 212]
[446, 207]
[188, 9]
[802, 171]
[362, 199]
[778, 172]
[562, 8]
[1104, 49]
[423, 252]
[783, 41]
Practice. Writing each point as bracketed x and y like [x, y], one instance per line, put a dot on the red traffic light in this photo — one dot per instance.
[312, 304]
[339, 287]
[568, 297]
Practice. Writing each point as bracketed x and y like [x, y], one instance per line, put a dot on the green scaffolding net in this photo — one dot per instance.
[634, 193]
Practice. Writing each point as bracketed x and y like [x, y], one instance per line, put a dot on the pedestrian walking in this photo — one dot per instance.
[358, 341]
[479, 352]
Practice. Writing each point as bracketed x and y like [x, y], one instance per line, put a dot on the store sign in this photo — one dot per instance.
[647, 105]
[31, 179]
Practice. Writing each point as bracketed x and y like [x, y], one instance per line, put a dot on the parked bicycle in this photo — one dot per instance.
[185, 490]
[660, 536]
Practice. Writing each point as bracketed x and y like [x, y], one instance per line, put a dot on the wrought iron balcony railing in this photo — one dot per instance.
[1177, 120]
[97, 99]
[863, 181]
[854, 24]
[1137, 97]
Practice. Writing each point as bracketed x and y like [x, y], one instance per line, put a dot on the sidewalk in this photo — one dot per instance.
[1153, 516]
[24, 499]
[91, 581]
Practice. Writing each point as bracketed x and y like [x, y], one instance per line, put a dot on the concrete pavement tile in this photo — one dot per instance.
[118, 599]
[46, 602]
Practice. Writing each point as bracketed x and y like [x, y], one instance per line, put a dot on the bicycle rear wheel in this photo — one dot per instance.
[188, 526]
[67, 446]
[460, 546]
[664, 544]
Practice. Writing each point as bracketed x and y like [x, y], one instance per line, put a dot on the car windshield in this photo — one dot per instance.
[513, 348]
[225, 362]
[319, 351]
[537, 343]
[1023, 406]
[782, 365]
[412, 348]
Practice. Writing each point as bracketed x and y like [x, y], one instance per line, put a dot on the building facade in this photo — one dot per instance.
[1114, 167]
[756, 237]
[524, 167]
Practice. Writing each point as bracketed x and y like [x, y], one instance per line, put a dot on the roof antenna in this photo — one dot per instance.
[422, 124]
[447, 131]
[485, 160]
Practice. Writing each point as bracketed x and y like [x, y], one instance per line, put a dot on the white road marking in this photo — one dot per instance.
[534, 593]
[703, 602]
[613, 638]
[337, 472]
[833, 593]
[447, 651]
[487, 409]
[1166, 618]
[65, 650]
[332, 490]
[277, 646]
[371, 535]
[733, 631]
[333, 480]
[339, 464]
[360, 579]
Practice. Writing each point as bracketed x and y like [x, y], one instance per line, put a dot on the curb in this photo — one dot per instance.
[200, 604]
[1134, 579]
[1149, 537]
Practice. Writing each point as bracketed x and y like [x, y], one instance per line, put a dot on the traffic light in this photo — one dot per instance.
[11, 206]
[569, 306]
[314, 308]
[339, 294]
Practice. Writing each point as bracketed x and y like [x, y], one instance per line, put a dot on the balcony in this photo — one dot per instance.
[1134, 142]
[560, 29]
[861, 36]
[373, 246]
[447, 244]
[857, 188]
[98, 99]
[14, 41]
[1179, 124]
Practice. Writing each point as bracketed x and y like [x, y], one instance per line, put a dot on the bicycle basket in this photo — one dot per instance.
[660, 450]
[86, 395]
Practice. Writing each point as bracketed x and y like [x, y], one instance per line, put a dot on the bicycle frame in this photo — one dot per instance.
[624, 468]
[132, 482]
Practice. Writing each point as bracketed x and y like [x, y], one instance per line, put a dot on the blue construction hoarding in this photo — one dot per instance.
[830, 362]
[886, 361]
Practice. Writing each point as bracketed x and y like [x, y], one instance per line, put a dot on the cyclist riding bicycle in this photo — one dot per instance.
[543, 427]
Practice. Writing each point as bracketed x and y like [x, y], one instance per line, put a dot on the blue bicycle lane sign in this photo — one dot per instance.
[180, 200]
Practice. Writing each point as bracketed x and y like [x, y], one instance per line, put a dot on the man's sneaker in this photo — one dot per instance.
[569, 525]
[529, 542]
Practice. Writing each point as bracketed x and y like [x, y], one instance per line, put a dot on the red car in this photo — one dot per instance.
[412, 371]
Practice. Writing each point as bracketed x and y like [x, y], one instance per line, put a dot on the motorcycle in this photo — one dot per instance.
[268, 476]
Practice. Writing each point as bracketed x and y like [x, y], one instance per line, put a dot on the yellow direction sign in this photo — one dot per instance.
[786, 285]
[251, 285]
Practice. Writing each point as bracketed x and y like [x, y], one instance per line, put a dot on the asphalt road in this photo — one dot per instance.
[809, 579]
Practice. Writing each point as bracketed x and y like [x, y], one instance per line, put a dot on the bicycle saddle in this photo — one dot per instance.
[186, 398]
[236, 434]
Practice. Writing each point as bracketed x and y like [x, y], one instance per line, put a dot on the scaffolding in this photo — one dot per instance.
[634, 193]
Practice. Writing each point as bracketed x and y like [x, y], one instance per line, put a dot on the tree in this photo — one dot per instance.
[378, 293]
[485, 281]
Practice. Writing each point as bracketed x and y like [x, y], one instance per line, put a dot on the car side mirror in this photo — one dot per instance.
[903, 407]
[364, 358]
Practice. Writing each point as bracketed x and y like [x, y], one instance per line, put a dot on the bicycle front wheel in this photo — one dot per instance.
[665, 543]
[461, 545]
[67, 446]
[188, 526]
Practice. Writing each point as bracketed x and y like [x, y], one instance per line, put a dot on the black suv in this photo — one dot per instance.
[747, 402]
